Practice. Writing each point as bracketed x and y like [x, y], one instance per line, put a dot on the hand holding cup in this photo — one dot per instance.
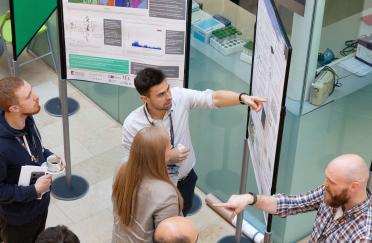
[54, 163]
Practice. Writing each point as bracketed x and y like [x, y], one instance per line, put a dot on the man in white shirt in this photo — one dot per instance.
[170, 108]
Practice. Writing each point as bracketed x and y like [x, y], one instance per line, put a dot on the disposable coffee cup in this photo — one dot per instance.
[54, 163]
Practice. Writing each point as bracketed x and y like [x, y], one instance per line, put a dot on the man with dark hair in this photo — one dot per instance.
[170, 109]
[58, 234]
[23, 211]
[176, 230]
[343, 203]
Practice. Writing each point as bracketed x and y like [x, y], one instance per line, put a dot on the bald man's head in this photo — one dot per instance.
[346, 181]
[176, 230]
[349, 168]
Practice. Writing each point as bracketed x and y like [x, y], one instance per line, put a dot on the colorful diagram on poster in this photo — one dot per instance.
[117, 3]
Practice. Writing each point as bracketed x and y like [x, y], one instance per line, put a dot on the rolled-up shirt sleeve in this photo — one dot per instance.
[198, 99]
[306, 202]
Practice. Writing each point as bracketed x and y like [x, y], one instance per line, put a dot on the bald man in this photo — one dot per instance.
[176, 230]
[343, 203]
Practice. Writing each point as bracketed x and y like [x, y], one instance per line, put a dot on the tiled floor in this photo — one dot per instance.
[95, 151]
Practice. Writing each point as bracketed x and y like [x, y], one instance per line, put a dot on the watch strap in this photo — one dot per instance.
[254, 195]
[240, 98]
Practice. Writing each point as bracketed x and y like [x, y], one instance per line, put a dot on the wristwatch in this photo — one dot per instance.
[254, 198]
[240, 98]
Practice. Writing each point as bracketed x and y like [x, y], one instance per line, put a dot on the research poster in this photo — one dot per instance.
[271, 61]
[109, 41]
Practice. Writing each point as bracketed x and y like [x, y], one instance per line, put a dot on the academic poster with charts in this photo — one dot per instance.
[109, 41]
[269, 80]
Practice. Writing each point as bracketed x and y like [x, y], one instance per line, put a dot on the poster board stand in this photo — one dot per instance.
[267, 237]
[269, 77]
[54, 108]
[243, 179]
[68, 187]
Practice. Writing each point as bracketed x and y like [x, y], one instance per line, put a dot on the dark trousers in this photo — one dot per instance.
[25, 233]
[186, 187]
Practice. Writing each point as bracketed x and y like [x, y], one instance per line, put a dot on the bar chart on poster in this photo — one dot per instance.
[109, 41]
[272, 53]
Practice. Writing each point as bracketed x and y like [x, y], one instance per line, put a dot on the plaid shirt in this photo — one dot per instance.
[355, 225]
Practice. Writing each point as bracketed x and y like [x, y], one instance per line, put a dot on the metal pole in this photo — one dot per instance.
[66, 137]
[243, 183]
[68, 187]
[267, 237]
[62, 86]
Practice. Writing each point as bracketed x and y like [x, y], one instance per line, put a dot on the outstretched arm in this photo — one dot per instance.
[237, 203]
[223, 98]
[279, 204]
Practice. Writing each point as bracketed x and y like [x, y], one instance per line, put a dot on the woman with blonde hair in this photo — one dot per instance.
[143, 195]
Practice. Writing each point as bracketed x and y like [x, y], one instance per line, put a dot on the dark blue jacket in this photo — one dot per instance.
[18, 204]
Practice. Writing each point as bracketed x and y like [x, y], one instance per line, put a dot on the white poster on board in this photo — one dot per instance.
[268, 81]
[109, 41]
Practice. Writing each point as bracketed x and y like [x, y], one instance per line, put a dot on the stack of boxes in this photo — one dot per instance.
[203, 24]
[218, 32]
[227, 40]
[198, 14]
[202, 30]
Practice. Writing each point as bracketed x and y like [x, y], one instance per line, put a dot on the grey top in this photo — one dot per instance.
[156, 201]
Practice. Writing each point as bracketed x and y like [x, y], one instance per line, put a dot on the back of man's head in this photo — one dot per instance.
[176, 230]
[8, 87]
[350, 168]
[58, 234]
[147, 78]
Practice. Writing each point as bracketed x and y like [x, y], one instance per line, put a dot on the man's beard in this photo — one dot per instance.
[37, 110]
[338, 200]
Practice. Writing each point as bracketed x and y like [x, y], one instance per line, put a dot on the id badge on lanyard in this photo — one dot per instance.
[173, 169]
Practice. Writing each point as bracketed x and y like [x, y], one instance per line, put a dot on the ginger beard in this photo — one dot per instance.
[37, 110]
[336, 200]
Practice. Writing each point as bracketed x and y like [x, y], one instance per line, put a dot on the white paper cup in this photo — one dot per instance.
[54, 163]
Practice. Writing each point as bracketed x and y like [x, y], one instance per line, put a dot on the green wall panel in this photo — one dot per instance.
[29, 16]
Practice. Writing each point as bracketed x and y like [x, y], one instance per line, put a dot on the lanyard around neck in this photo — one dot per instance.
[170, 121]
[25, 144]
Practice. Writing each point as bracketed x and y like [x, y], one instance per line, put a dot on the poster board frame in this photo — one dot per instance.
[62, 45]
[282, 105]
